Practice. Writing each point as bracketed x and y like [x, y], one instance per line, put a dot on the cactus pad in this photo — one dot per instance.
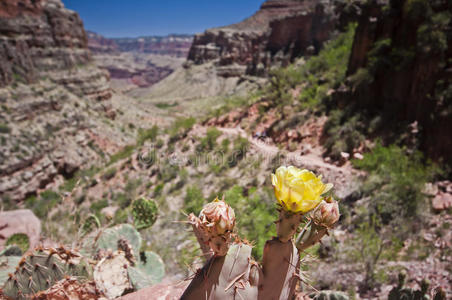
[7, 266]
[11, 250]
[111, 275]
[110, 237]
[148, 271]
[226, 277]
[39, 270]
[329, 295]
[144, 212]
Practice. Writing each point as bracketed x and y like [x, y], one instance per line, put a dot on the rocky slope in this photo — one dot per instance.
[56, 105]
[280, 31]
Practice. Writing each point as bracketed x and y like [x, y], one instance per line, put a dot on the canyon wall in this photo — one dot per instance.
[173, 45]
[280, 31]
[401, 68]
[139, 62]
[54, 102]
[40, 38]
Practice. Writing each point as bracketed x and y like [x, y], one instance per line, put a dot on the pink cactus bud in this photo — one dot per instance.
[327, 213]
[218, 216]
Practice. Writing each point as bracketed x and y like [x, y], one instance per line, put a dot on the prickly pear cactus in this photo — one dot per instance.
[231, 273]
[148, 271]
[401, 293]
[329, 295]
[144, 212]
[233, 276]
[111, 275]
[19, 239]
[7, 266]
[108, 239]
[40, 269]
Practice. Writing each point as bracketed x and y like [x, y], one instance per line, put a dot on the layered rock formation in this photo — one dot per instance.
[54, 102]
[39, 38]
[100, 44]
[401, 70]
[139, 62]
[280, 31]
[172, 45]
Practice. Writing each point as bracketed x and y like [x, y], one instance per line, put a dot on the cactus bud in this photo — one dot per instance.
[218, 220]
[219, 216]
[327, 213]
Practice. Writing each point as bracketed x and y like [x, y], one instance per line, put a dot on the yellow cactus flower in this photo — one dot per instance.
[298, 191]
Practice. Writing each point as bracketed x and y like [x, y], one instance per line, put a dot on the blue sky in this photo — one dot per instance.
[131, 18]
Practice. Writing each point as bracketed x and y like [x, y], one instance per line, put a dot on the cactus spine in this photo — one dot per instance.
[40, 269]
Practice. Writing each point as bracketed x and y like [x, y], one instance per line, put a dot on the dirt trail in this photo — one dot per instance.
[343, 177]
[307, 160]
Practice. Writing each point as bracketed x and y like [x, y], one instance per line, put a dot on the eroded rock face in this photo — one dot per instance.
[409, 73]
[280, 31]
[53, 99]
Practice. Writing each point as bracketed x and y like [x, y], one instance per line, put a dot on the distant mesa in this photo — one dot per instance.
[176, 45]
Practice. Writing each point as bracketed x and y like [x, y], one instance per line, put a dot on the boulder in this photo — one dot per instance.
[19, 221]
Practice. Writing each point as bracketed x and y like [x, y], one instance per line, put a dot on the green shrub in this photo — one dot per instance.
[318, 75]
[97, 206]
[193, 200]
[209, 142]
[127, 151]
[367, 249]
[158, 190]
[4, 128]
[259, 209]
[43, 204]
[109, 174]
[180, 127]
[147, 134]
[344, 133]
[395, 182]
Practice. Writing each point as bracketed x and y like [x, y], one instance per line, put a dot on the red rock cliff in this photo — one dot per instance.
[404, 49]
[278, 32]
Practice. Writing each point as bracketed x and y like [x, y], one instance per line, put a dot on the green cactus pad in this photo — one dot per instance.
[109, 238]
[144, 212]
[7, 265]
[19, 239]
[148, 271]
[329, 295]
[11, 250]
[39, 270]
